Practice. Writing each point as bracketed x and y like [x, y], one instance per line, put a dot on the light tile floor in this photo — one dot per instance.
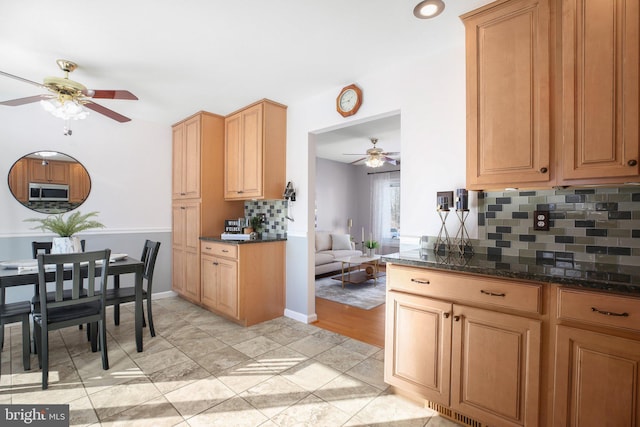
[202, 370]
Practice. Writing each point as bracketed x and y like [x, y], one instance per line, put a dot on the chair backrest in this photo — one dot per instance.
[149, 255]
[75, 268]
[45, 247]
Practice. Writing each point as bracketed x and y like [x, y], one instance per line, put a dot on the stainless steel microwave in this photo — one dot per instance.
[48, 192]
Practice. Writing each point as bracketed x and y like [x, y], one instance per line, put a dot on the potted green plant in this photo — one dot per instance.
[66, 229]
[371, 245]
[256, 223]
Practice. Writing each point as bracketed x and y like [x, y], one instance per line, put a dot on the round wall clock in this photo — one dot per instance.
[349, 100]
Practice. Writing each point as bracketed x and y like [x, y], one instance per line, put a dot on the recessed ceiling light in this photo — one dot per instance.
[428, 9]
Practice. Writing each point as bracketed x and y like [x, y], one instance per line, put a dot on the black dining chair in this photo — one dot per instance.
[17, 312]
[118, 295]
[76, 307]
[45, 248]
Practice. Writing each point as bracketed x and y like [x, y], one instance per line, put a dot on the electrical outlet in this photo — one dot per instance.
[541, 220]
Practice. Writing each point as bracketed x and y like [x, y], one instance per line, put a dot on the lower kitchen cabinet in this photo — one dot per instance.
[243, 282]
[475, 364]
[185, 247]
[597, 364]
[220, 285]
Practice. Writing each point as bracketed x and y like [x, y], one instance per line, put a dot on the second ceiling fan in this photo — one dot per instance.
[375, 156]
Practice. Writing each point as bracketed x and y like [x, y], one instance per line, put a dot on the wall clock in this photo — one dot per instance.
[349, 100]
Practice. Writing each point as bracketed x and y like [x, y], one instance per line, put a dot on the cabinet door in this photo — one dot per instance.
[78, 183]
[177, 271]
[495, 368]
[233, 157]
[58, 172]
[19, 180]
[418, 345]
[600, 63]
[178, 161]
[596, 379]
[228, 287]
[508, 106]
[252, 138]
[209, 281]
[192, 275]
[192, 146]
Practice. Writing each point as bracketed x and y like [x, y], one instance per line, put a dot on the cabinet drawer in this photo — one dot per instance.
[220, 249]
[469, 288]
[599, 308]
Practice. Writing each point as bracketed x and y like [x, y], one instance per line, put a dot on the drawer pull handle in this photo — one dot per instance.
[456, 318]
[493, 294]
[225, 250]
[215, 263]
[207, 248]
[421, 281]
[610, 313]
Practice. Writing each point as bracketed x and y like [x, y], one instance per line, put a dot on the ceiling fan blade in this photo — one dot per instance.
[353, 154]
[110, 94]
[107, 112]
[23, 79]
[27, 100]
[391, 161]
[391, 153]
[356, 161]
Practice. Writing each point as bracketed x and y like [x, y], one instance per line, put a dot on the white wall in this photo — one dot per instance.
[336, 196]
[430, 95]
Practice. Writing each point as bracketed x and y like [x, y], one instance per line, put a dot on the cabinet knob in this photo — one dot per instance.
[445, 315]
[632, 162]
[183, 207]
[456, 318]
[544, 170]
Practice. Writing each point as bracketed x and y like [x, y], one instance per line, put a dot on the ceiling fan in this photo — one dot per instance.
[67, 97]
[375, 156]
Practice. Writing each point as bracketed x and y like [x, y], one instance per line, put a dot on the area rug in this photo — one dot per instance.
[364, 295]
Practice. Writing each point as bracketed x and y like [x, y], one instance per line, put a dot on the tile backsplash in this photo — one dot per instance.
[275, 211]
[586, 224]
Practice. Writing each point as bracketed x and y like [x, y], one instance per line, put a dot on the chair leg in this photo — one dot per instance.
[103, 344]
[150, 313]
[1, 336]
[116, 314]
[94, 336]
[26, 343]
[44, 351]
[37, 334]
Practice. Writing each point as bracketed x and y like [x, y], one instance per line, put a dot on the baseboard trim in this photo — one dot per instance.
[165, 294]
[300, 317]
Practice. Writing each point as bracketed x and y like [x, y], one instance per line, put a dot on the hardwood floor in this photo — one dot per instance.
[353, 322]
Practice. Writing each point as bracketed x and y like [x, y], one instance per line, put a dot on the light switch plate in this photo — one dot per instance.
[541, 220]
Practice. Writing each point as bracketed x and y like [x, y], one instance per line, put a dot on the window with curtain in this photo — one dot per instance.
[385, 211]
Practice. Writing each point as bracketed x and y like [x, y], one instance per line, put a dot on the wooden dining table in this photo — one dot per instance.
[13, 277]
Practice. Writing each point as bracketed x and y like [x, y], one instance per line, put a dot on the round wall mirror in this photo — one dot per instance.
[49, 182]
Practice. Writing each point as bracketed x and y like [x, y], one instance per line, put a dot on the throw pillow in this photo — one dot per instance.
[340, 242]
[323, 241]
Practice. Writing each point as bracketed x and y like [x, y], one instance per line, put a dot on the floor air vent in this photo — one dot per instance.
[453, 415]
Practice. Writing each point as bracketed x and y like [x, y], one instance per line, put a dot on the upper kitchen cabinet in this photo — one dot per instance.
[600, 101]
[50, 171]
[187, 145]
[508, 104]
[255, 152]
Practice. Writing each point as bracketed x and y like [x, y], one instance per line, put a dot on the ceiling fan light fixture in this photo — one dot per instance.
[427, 9]
[374, 162]
[65, 110]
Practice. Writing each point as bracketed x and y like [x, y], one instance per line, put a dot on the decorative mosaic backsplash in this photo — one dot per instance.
[275, 211]
[586, 224]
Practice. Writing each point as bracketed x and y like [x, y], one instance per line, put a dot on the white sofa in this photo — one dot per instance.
[330, 246]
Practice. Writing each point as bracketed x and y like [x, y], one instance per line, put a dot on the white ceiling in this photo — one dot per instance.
[179, 57]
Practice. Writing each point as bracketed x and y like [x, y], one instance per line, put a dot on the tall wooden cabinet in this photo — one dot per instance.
[508, 105]
[255, 152]
[19, 180]
[199, 207]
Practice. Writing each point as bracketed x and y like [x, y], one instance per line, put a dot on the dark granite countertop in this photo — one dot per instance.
[622, 279]
[242, 242]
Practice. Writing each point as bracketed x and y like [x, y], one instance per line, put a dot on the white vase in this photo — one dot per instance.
[66, 245]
